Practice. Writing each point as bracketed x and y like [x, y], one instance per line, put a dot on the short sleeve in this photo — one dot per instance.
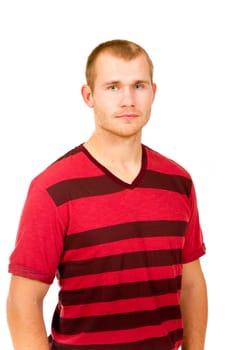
[39, 241]
[194, 246]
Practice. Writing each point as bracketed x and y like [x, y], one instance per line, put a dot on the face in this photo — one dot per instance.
[122, 96]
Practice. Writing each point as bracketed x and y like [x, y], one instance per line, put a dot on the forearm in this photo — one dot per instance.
[194, 313]
[25, 314]
[26, 326]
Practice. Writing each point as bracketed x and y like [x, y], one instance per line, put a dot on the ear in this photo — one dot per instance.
[154, 87]
[87, 95]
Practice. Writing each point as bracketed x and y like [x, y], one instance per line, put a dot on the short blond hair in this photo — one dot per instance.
[120, 48]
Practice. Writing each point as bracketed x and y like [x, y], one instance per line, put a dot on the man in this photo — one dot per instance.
[117, 223]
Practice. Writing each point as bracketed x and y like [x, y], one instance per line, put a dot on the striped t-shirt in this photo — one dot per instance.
[117, 250]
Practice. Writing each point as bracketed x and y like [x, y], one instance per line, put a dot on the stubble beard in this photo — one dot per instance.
[127, 130]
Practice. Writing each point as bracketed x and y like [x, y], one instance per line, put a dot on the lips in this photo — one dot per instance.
[128, 116]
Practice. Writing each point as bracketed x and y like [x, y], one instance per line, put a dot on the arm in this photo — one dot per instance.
[193, 306]
[25, 314]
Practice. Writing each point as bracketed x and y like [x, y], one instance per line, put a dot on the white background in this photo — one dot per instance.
[44, 46]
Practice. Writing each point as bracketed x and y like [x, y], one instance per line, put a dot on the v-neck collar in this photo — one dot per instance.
[114, 178]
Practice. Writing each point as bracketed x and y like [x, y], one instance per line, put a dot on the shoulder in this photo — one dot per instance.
[68, 166]
[161, 163]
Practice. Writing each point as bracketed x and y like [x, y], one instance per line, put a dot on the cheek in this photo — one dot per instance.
[104, 105]
[145, 104]
[144, 100]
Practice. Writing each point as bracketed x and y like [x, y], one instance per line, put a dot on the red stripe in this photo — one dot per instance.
[128, 204]
[162, 164]
[123, 276]
[124, 246]
[85, 168]
[122, 336]
[118, 306]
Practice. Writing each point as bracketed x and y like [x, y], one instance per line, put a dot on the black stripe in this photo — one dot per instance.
[71, 189]
[116, 322]
[175, 183]
[125, 231]
[159, 343]
[121, 291]
[120, 261]
[72, 152]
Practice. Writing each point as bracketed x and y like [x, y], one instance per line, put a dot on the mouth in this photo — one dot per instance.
[128, 116]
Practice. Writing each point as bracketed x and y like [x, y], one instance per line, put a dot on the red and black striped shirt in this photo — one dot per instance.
[116, 248]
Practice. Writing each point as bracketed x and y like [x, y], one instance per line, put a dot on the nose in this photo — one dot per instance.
[127, 97]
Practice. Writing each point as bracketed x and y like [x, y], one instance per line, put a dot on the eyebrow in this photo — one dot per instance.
[112, 82]
[117, 82]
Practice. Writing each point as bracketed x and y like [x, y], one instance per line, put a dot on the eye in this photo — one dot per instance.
[112, 87]
[139, 86]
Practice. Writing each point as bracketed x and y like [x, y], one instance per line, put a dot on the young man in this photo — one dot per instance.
[117, 223]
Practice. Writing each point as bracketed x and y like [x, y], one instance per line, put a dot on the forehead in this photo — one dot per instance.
[109, 67]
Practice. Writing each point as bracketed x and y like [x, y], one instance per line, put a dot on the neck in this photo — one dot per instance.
[121, 156]
[117, 150]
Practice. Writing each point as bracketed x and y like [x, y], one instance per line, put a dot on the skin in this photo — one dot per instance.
[25, 314]
[121, 100]
[194, 306]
